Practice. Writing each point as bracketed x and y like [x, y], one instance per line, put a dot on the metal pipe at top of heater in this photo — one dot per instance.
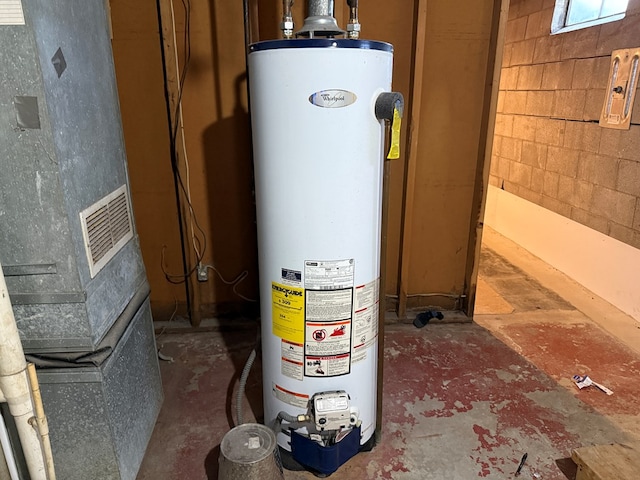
[320, 8]
[287, 19]
[353, 27]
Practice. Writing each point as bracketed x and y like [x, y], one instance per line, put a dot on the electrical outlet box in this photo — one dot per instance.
[203, 273]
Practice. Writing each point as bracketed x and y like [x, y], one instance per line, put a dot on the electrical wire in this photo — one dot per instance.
[199, 245]
[180, 119]
[241, 276]
[181, 277]
[162, 356]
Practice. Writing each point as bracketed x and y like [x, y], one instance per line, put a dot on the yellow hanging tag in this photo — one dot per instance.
[394, 151]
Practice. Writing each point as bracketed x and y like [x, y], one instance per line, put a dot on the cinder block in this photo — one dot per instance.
[539, 23]
[540, 103]
[514, 8]
[601, 68]
[520, 174]
[633, 7]
[493, 166]
[586, 218]
[558, 75]
[537, 180]
[592, 134]
[528, 7]
[629, 177]
[515, 102]
[569, 104]
[530, 77]
[556, 206]
[575, 192]
[620, 34]
[629, 146]
[534, 154]
[504, 165]
[522, 53]
[563, 161]
[582, 136]
[636, 218]
[511, 148]
[494, 181]
[515, 30]
[551, 181]
[506, 55]
[593, 104]
[624, 234]
[550, 131]
[580, 43]
[598, 169]
[616, 206]
[547, 49]
[635, 112]
[524, 127]
[495, 148]
[504, 125]
[509, 78]
[583, 73]
[529, 195]
[500, 102]
[610, 142]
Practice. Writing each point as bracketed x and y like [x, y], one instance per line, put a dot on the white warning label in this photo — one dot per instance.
[328, 338]
[327, 366]
[292, 360]
[299, 400]
[365, 319]
[329, 274]
[328, 305]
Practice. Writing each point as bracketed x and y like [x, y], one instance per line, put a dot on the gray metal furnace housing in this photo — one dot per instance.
[101, 418]
[62, 155]
[68, 244]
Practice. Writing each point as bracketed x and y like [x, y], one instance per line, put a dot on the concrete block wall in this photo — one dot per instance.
[548, 147]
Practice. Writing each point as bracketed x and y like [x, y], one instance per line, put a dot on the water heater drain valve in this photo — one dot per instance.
[333, 411]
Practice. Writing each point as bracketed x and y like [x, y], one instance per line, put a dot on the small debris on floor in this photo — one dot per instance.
[583, 381]
[423, 318]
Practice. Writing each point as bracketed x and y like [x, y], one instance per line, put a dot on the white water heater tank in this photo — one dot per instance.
[318, 155]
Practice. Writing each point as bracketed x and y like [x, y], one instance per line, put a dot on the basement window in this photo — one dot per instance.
[572, 15]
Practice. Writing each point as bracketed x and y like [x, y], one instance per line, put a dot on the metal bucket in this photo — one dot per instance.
[249, 452]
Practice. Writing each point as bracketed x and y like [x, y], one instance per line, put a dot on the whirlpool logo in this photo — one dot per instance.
[332, 98]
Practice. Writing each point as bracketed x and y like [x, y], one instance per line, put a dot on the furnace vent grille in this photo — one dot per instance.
[106, 227]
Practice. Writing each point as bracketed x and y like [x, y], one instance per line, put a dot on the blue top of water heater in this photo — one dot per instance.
[321, 43]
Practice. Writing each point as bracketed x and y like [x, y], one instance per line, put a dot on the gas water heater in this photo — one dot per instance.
[319, 102]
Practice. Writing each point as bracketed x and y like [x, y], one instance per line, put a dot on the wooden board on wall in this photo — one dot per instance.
[453, 95]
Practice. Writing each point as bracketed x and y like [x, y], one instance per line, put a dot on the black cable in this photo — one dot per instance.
[173, 154]
[180, 187]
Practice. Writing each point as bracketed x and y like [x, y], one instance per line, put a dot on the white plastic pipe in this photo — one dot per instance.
[14, 383]
[8, 451]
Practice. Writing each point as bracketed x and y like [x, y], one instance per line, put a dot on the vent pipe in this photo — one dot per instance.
[320, 22]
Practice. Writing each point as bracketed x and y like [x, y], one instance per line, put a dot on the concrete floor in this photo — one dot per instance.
[461, 401]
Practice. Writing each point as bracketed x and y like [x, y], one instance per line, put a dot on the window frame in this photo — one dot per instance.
[561, 10]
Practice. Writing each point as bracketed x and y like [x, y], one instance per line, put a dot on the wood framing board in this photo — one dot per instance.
[608, 462]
